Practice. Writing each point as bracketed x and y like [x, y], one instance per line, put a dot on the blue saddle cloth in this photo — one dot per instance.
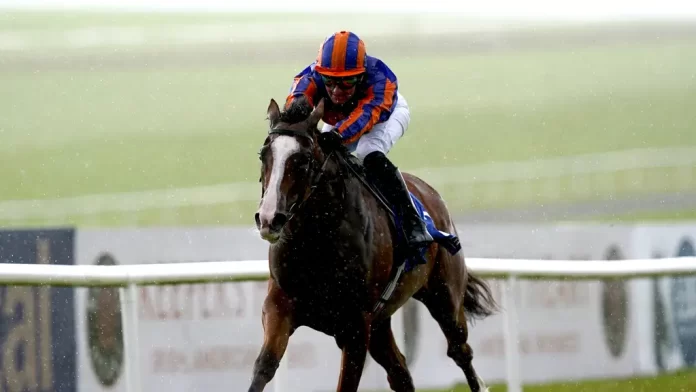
[448, 240]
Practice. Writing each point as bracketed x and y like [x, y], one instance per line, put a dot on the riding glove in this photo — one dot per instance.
[330, 141]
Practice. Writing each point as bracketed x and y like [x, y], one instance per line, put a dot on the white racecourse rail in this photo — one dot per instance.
[128, 277]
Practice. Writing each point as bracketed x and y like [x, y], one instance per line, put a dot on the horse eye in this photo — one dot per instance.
[303, 163]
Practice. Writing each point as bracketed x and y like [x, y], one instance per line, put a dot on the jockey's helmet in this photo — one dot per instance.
[340, 55]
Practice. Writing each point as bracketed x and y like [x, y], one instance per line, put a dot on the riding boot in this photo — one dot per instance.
[388, 179]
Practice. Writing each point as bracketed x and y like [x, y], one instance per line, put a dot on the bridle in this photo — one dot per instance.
[317, 177]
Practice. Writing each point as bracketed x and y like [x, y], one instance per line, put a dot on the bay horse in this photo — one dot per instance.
[333, 254]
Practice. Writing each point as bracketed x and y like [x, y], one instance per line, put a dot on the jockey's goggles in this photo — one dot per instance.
[343, 83]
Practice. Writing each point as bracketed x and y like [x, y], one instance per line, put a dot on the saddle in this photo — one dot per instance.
[405, 259]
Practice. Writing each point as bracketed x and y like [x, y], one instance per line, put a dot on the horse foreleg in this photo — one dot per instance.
[277, 328]
[354, 343]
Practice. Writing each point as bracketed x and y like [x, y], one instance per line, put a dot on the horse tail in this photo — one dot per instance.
[478, 300]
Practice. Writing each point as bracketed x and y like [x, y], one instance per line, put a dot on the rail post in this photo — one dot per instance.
[512, 340]
[129, 320]
[282, 373]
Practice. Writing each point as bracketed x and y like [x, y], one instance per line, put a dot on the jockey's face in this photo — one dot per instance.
[340, 90]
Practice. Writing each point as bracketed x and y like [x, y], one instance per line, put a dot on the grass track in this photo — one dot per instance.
[677, 382]
[106, 129]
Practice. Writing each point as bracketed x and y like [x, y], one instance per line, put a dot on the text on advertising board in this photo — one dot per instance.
[37, 331]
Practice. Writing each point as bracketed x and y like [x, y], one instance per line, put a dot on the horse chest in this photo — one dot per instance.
[321, 285]
[310, 282]
[324, 270]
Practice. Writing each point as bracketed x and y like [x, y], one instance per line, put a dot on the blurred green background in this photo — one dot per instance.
[112, 119]
[173, 106]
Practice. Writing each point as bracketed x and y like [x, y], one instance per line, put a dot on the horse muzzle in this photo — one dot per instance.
[270, 226]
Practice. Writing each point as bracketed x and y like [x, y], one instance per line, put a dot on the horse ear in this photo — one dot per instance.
[273, 112]
[317, 114]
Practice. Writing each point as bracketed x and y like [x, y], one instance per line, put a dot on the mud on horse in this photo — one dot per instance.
[334, 249]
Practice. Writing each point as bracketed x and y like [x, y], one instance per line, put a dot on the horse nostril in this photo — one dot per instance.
[257, 217]
[278, 221]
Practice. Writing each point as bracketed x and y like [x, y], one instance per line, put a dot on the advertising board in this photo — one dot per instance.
[669, 322]
[568, 330]
[37, 324]
[206, 336]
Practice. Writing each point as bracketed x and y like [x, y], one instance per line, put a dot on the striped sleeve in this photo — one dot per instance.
[303, 84]
[374, 108]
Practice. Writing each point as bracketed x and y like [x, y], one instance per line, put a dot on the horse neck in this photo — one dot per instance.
[331, 203]
[334, 211]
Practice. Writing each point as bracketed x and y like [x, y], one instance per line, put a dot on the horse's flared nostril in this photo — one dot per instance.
[279, 220]
[257, 218]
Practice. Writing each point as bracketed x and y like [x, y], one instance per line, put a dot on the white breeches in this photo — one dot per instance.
[382, 136]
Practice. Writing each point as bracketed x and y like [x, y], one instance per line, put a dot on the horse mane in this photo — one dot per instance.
[298, 111]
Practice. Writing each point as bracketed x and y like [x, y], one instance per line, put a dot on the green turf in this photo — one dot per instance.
[652, 216]
[47, 20]
[109, 129]
[677, 382]
[98, 30]
[18, 20]
[51, 21]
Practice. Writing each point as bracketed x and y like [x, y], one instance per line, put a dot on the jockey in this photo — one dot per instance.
[364, 112]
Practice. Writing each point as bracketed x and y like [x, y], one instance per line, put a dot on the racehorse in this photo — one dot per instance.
[334, 249]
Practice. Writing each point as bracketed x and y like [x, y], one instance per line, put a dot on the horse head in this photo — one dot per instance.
[290, 164]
